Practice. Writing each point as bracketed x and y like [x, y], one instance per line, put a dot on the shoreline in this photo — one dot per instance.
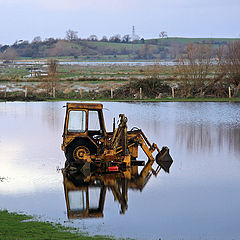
[21, 226]
[36, 99]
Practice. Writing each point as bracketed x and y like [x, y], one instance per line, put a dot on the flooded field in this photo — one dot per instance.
[199, 199]
[135, 63]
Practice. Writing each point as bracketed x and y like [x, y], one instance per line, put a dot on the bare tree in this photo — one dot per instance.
[194, 68]
[163, 34]
[195, 64]
[115, 38]
[36, 39]
[104, 39]
[126, 38]
[71, 35]
[229, 64]
[52, 78]
[52, 67]
[93, 38]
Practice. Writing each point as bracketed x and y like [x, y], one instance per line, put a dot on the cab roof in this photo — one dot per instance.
[90, 106]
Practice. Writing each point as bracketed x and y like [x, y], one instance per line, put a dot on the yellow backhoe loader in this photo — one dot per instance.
[88, 146]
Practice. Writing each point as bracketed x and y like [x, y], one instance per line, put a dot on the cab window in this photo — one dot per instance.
[77, 121]
[93, 121]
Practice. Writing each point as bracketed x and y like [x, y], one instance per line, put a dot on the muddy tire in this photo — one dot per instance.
[77, 152]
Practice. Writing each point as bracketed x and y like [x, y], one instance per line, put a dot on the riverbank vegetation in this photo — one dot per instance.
[14, 226]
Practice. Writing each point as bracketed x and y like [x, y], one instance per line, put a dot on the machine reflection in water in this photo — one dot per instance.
[85, 188]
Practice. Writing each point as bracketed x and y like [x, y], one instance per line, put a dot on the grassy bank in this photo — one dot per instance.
[156, 100]
[37, 99]
[14, 226]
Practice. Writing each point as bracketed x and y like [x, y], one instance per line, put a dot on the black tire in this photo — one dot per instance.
[70, 156]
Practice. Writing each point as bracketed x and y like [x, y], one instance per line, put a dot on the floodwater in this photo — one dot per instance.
[199, 199]
[170, 63]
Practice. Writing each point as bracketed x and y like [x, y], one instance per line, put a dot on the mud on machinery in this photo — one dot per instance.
[87, 145]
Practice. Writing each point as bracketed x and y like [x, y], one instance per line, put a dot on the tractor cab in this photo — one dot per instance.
[84, 120]
[84, 127]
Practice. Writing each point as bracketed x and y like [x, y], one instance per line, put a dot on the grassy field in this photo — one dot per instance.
[14, 226]
[193, 40]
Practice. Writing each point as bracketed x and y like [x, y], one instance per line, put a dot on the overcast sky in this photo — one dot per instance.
[25, 19]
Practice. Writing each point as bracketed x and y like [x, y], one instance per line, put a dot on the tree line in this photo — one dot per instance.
[114, 46]
[204, 71]
[89, 47]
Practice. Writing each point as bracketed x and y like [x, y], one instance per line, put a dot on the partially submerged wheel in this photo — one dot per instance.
[77, 152]
[81, 153]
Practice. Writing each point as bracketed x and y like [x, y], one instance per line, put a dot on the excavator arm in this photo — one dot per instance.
[123, 140]
[119, 139]
[162, 158]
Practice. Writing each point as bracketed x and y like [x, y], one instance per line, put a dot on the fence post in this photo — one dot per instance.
[26, 92]
[229, 92]
[81, 93]
[140, 93]
[54, 92]
[5, 93]
[172, 92]
[32, 72]
[111, 93]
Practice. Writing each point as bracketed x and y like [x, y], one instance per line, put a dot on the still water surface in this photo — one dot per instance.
[199, 199]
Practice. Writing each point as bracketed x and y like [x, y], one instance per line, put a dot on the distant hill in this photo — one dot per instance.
[144, 49]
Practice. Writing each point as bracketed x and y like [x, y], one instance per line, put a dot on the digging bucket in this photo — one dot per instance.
[164, 160]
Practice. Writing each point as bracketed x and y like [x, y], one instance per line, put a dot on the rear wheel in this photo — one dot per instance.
[80, 153]
[77, 152]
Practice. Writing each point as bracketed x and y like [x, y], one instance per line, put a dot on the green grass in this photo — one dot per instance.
[151, 100]
[49, 99]
[169, 40]
[71, 71]
[10, 72]
[193, 40]
[196, 100]
[14, 226]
